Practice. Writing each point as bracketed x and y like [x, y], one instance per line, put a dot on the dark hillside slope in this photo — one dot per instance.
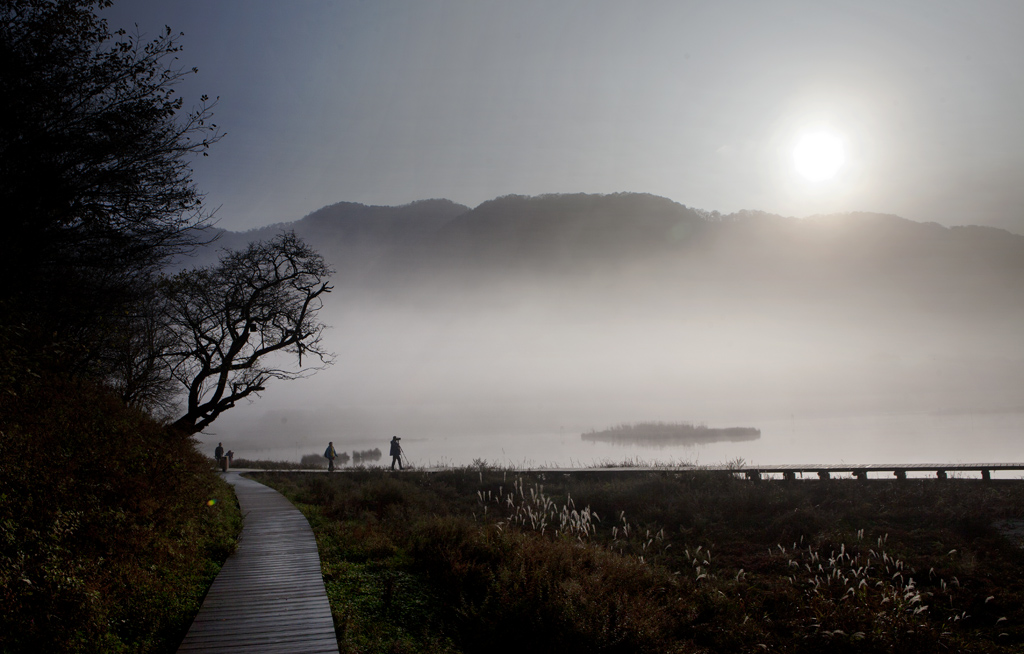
[659, 243]
[351, 236]
[348, 224]
[639, 248]
[884, 260]
[560, 232]
[597, 305]
[645, 253]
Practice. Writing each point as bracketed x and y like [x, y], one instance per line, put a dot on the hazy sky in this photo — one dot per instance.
[387, 102]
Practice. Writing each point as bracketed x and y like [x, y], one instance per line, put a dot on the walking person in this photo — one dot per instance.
[330, 455]
[396, 453]
[218, 453]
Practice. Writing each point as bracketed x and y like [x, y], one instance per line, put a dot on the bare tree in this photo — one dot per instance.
[232, 323]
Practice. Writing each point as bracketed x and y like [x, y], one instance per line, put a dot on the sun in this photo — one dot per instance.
[818, 156]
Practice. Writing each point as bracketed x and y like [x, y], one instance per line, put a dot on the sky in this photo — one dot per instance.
[703, 102]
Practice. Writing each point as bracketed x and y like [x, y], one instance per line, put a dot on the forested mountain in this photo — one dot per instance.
[587, 309]
[351, 235]
[659, 244]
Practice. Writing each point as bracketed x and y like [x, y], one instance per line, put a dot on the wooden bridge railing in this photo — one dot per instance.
[860, 471]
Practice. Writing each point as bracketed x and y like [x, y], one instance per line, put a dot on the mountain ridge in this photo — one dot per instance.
[632, 306]
[657, 243]
[557, 222]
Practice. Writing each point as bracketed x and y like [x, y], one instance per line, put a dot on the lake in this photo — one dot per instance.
[892, 438]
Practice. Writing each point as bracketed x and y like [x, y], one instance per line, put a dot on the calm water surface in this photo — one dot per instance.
[903, 438]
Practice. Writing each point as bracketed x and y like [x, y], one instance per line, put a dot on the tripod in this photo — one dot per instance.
[399, 458]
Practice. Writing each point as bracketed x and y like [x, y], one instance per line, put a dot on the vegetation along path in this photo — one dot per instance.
[269, 597]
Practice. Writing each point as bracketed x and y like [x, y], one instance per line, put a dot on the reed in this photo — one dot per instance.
[481, 558]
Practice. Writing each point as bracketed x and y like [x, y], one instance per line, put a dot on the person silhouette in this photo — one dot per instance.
[396, 453]
[330, 455]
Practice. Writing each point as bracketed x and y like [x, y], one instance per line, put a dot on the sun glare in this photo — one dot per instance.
[818, 156]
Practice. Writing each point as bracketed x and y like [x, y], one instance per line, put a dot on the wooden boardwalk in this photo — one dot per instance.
[269, 597]
[818, 470]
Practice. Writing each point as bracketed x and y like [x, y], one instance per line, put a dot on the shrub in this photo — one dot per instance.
[664, 561]
[313, 461]
[110, 529]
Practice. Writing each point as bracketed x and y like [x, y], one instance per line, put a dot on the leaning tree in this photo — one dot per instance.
[243, 322]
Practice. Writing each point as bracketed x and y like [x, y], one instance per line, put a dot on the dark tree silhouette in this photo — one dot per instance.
[95, 150]
[233, 322]
[138, 369]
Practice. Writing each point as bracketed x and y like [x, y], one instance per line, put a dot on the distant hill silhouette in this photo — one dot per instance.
[602, 309]
[350, 235]
[563, 231]
[659, 248]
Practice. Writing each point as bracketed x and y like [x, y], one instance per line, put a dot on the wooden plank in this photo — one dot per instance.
[245, 626]
[269, 597]
[283, 634]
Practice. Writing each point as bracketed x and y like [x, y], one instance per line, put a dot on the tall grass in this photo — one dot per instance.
[490, 560]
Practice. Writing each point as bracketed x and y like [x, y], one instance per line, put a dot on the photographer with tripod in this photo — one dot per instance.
[396, 453]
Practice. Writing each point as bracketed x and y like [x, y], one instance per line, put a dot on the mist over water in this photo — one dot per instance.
[899, 438]
[519, 386]
[856, 339]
